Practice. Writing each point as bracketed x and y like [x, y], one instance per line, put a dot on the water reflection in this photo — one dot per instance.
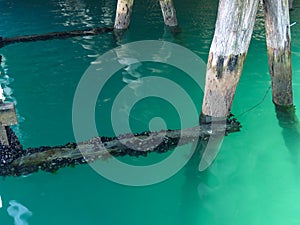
[78, 14]
[19, 212]
[290, 125]
[259, 27]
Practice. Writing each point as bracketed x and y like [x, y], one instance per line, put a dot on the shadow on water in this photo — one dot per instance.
[290, 125]
[194, 189]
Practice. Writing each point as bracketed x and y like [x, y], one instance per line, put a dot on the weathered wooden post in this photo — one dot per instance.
[169, 12]
[7, 118]
[228, 51]
[123, 13]
[277, 22]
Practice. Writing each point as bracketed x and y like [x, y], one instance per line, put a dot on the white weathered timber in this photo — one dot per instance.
[168, 12]
[278, 37]
[123, 13]
[52, 158]
[8, 117]
[228, 50]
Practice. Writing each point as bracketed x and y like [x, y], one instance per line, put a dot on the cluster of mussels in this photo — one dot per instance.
[142, 147]
[8, 154]
[11, 157]
[55, 35]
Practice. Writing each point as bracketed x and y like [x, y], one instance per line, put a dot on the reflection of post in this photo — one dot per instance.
[291, 4]
[123, 14]
[290, 125]
[228, 50]
[169, 13]
[277, 24]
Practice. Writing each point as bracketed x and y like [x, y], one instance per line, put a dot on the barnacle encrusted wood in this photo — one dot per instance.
[15, 161]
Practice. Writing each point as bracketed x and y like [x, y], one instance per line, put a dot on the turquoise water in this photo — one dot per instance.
[254, 179]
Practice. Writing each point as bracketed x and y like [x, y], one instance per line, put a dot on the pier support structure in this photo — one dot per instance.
[233, 31]
[168, 12]
[7, 118]
[278, 37]
[123, 13]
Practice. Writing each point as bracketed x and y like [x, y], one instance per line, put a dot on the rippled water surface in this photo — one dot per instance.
[255, 178]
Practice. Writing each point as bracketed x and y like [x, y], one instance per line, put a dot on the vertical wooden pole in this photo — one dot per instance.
[123, 13]
[228, 51]
[277, 22]
[8, 117]
[169, 13]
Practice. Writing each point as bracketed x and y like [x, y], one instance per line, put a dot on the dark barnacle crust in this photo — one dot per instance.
[55, 35]
[16, 161]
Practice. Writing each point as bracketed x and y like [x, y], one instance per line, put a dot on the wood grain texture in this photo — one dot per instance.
[123, 14]
[233, 31]
[278, 39]
[168, 12]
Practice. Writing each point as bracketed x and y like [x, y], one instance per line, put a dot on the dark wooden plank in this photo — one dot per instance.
[55, 35]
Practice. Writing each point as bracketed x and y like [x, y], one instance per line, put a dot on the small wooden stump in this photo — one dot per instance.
[7, 118]
[123, 13]
[169, 13]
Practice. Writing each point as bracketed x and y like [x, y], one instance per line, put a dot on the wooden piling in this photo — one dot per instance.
[228, 50]
[168, 12]
[278, 37]
[7, 118]
[123, 13]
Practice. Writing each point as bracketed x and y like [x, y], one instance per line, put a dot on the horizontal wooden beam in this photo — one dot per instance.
[14, 161]
[55, 35]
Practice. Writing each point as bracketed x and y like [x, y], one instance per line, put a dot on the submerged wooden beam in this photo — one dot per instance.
[123, 14]
[168, 12]
[277, 22]
[14, 161]
[227, 54]
[55, 35]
